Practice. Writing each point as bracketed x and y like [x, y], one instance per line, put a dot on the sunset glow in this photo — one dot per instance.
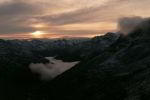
[37, 34]
[71, 18]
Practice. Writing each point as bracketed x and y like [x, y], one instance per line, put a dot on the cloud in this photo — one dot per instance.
[51, 70]
[83, 15]
[142, 28]
[128, 24]
[15, 17]
[16, 8]
[134, 25]
[20, 16]
[12, 28]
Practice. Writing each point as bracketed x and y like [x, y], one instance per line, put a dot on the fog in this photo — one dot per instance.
[52, 69]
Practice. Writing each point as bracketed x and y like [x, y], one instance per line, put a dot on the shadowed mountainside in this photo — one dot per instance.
[112, 67]
[120, 72]
[18, 82]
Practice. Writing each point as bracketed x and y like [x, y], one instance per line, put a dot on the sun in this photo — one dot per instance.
[37, 34]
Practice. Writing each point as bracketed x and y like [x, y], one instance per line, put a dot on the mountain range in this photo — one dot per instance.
[112, 67]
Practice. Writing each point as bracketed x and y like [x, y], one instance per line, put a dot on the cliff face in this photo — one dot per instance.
[120, 72]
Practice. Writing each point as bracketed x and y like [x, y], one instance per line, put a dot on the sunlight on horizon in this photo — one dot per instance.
[37, 34]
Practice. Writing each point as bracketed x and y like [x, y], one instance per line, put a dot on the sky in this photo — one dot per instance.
[24, 19]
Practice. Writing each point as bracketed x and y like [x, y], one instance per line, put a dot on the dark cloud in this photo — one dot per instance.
[137, 25]
[143, 28]
[7, 29]
[16, 8]
[15, 17]
[128, 24]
